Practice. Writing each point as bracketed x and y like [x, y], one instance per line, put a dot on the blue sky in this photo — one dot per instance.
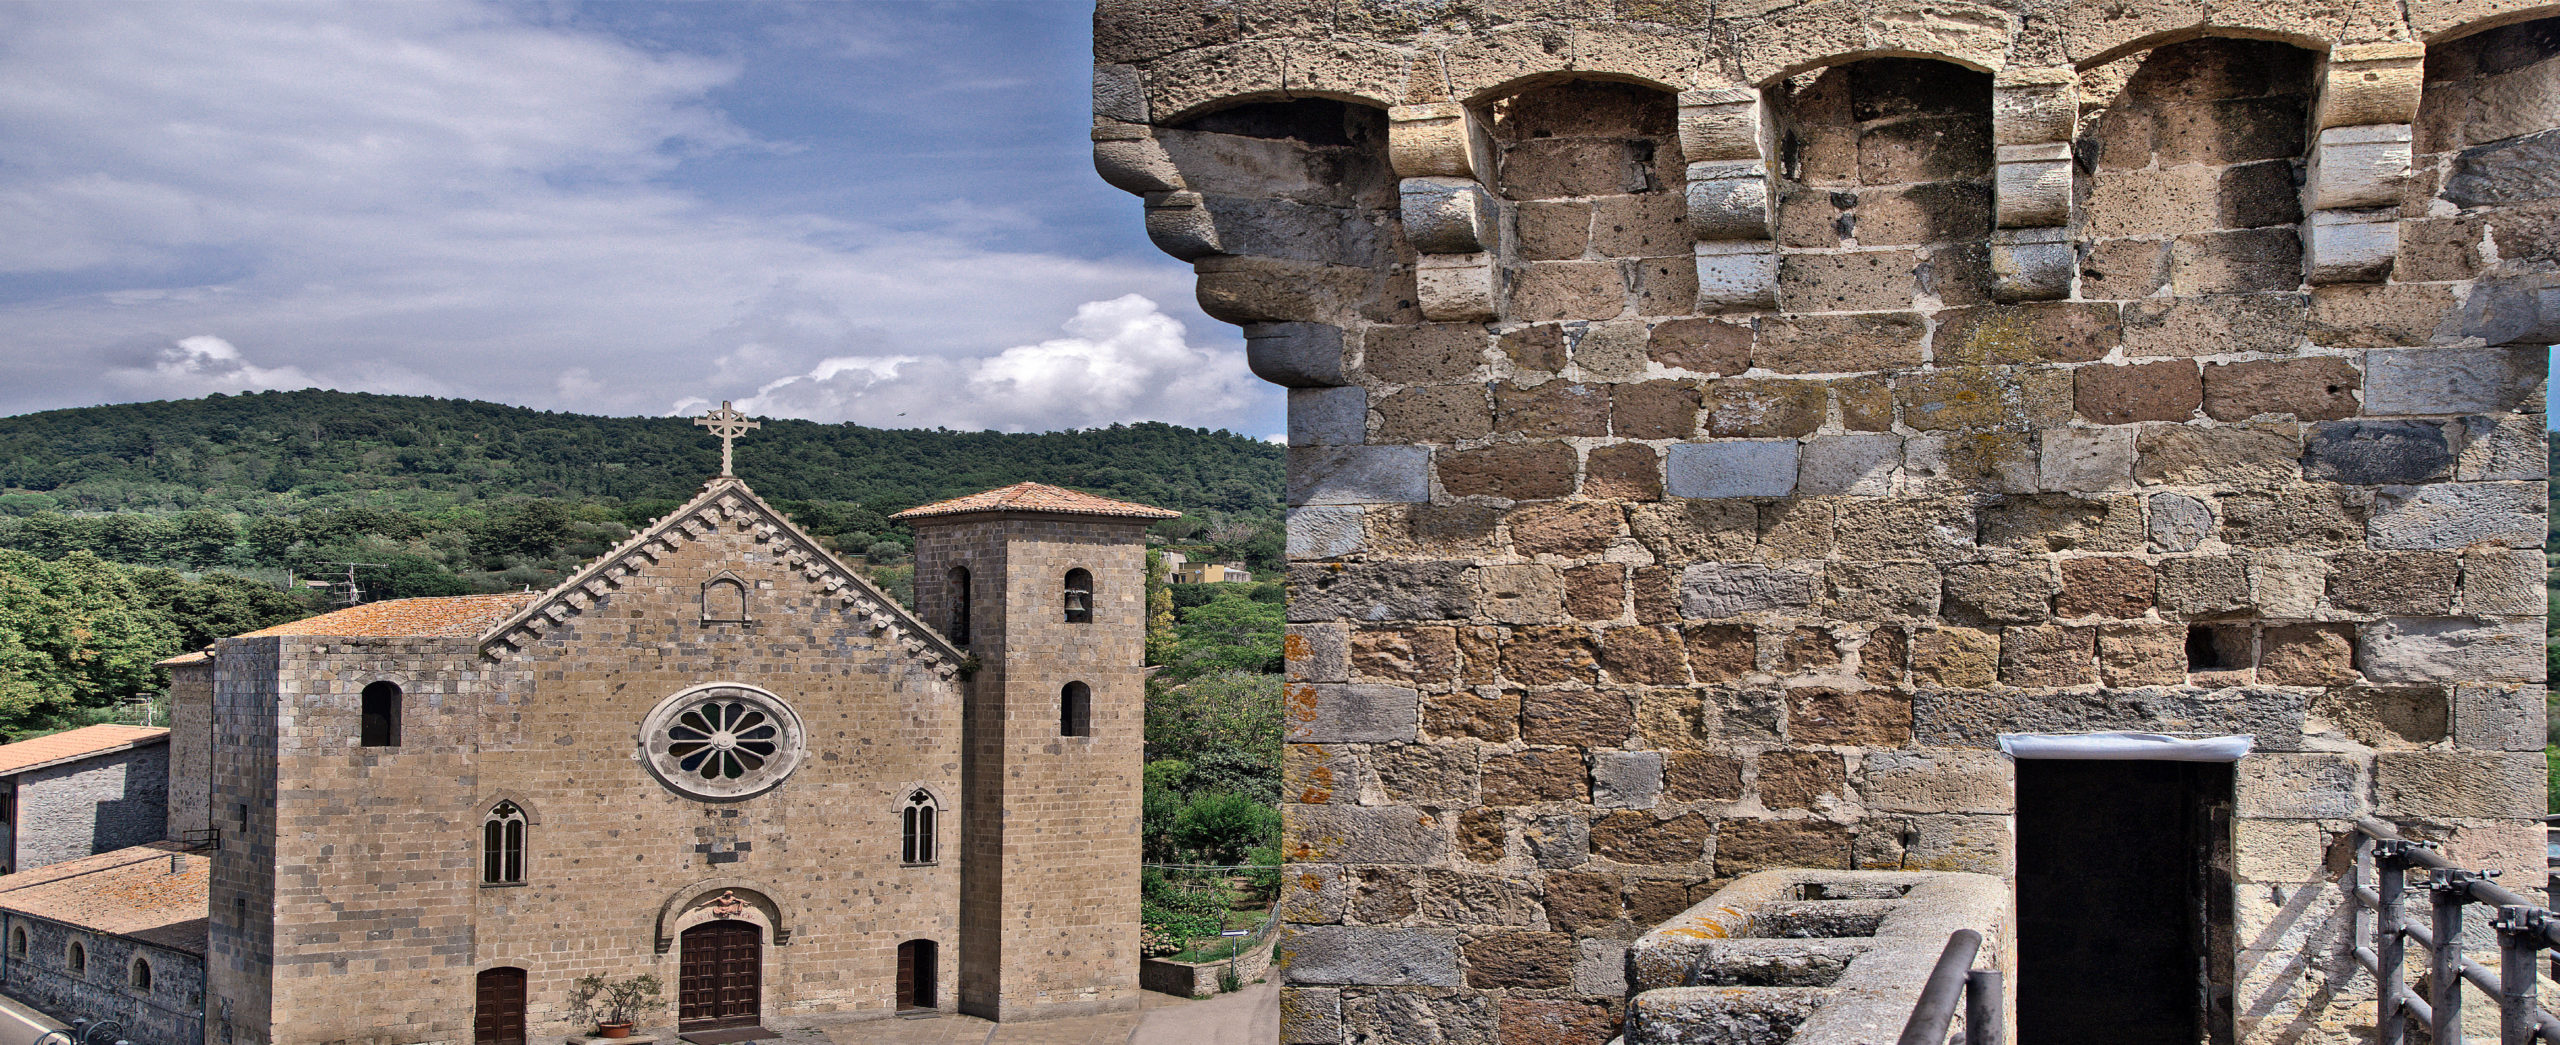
[878, 212]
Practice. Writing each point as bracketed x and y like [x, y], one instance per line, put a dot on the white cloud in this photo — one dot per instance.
[472, 200]
[1122, 360]
[205, 363]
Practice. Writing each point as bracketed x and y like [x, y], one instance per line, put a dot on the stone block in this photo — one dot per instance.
[2492, 717]
[1974, 718]
[1600, 968]
[1706, 346]
[2375, 453]
[1631, 837]
[1720, 652]
[2178, 522]
[1999, 591]
[2215, 325]
[2514, 446]
[2350, 246]
[1728, 204]
[2419, 583]
[2086, 460]
[1841, 343]
[2033, 265]
[1444, 215]
[2437, 784]
[2287, 585]
[2048, 656]
[2450, 650]
[1322, 713]
[1380, 591]
[2143, 655]
[1427, 353]
[1626, 779]
[1645, 225]
[2104, 586]
[1655, 410]
[1517, 471]
[2113, 395]
[1824, 715]
[1732, 468]
[1519, 594]
[2225, 456]
[1519, 960]
[1720, 125]
[1753, 408]
[2358, 167]
[1626, 472]
[1534, 776]
[1974, 398]
[2447, 380]
[1712, 591]
[2383, 717]
[1937, 780]
[2302, 517]
[1459, 287]
[1538, 656]
[1906, 528]
[1317, 652]
[1554, 1021]
[1328, 416]
[1554, 409]
[1699, 776]
[1494, 720]
[1802, 779]
[2034, 185]
[1645, 654]
[1428, 774]
[2382, 315]
[1737, 275]
[2501, 582]
[2278, 850]
[1992, 462]
[1295, 355]
[2312, 389]
[2203, 586]
[1340, 475]
[1551, 230]
[1310, 1016]
[1549, 290]
[2239, 261]
[1437, 139]
[1855, 465]
[2274, 786]
[1955, 658]
[2458, 515]
[1744, 846]
[1364, 834]
[1324, 532]
[1428, 414]
[1408, 655]
[1371, 956]
[1871, 591]
[2307, 655]
[1850, 281]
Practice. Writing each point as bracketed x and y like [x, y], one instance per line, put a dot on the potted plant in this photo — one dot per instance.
[613, 1005]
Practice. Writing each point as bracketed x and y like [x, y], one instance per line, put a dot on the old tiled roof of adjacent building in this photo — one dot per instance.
[74, 745]
[155, 893]
[1036, 497]
[451, 616]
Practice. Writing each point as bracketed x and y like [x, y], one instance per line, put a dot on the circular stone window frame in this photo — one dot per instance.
[788, 752]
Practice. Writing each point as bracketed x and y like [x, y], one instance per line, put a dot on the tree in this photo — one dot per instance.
[1220, 828]
[73, 633]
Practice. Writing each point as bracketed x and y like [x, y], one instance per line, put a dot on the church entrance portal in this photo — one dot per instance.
[915, 975]
[720, 982]
[497, 1014]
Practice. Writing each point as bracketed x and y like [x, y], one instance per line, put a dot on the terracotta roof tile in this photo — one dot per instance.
[1036, 497]
[72, 744]
[452, 616]
[128, 892]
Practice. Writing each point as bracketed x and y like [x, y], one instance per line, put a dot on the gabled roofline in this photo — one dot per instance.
[722, 500]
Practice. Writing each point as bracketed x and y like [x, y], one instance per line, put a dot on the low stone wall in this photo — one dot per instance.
[1806, 957]
[1193, 979]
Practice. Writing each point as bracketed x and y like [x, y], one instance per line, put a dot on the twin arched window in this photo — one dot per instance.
[1079, 597]
[916, 823]
[502, 845]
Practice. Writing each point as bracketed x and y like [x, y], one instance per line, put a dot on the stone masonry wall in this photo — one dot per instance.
[1739, 417]
[92, 806]
[170, 1011]
[190, 749]
[1049, 893]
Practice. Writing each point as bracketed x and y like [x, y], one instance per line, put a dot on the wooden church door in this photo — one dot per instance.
[915, 975]
[720, 979]
[497, 1014]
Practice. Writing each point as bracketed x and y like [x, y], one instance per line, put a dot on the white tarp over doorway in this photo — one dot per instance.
[2149, 747]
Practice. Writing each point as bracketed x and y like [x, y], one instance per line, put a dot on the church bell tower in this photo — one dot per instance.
[1046, 590]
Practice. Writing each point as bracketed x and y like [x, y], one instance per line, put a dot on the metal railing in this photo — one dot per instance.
[1955, 981]
[2524, 930]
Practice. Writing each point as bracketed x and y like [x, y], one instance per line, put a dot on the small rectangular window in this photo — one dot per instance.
[381, 724]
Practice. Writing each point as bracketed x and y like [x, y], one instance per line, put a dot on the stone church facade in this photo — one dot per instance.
[715, 754]
[1713, 426]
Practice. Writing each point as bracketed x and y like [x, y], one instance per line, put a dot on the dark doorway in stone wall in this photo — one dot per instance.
[2124, 902]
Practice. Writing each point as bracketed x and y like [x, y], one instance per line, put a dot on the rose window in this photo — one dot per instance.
[722, 741]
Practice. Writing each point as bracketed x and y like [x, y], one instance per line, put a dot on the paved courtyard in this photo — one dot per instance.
[1248, 1017]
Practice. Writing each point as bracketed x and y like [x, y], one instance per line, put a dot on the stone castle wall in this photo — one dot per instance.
[190, 749]
[1049, 897]
[1711, 427]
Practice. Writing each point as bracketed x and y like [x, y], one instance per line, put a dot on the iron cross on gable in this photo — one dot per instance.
[728, 424]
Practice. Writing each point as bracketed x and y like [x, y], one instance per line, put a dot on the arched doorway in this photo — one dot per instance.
[915, 975]
[497, 1012]
[720, 976]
